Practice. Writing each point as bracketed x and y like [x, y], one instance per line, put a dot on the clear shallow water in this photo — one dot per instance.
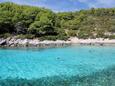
[66, 61]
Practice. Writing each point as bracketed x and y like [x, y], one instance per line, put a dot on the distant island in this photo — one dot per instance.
[29, 22]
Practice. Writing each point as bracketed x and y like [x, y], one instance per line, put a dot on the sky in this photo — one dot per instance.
[66, 5]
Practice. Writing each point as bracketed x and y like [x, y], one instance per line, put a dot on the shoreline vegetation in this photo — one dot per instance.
[35, 22]
[29, 26]
[22, 25]
[13, 42]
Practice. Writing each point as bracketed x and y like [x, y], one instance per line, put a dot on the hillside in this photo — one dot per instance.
[30, 22]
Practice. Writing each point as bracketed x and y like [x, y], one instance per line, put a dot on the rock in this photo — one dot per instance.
[23, 42]
[3, 42]
[13, 42]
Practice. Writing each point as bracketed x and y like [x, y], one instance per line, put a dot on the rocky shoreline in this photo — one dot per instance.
[13, 42]
[97, 41]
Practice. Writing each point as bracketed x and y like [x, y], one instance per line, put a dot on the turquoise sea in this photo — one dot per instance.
[74, 65]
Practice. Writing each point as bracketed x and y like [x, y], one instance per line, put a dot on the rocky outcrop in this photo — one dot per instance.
[3, 42]
[12, 42]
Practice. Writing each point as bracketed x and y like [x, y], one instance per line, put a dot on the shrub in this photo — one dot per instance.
[48, 38]
[112, 37]
[27, 36]
[6, 35]
[54, 38]
[72, 33]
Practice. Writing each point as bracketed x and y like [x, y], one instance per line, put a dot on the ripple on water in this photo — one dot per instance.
[66, 61]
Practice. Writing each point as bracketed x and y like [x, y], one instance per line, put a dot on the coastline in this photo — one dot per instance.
[97, 41]
[12, 42]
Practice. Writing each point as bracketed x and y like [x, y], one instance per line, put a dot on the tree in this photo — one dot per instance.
[20, 28]
[41, 28]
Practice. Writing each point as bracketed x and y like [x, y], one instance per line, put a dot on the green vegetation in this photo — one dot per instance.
[30, 22]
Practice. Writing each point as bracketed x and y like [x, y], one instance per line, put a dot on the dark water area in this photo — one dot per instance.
[102, 78]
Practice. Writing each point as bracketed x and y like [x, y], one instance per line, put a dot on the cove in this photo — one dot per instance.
[33, 63]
